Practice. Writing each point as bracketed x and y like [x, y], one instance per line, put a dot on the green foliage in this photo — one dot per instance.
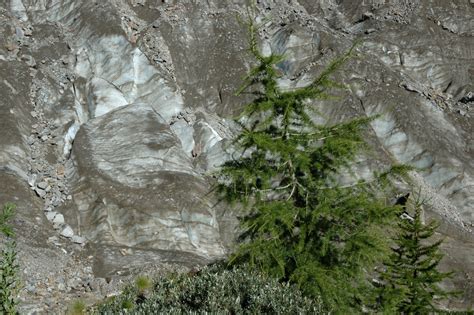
[411, 277]
[213, 290]
[7, 213]
[9, 269]
[301, 225]
[78, 307]
[143, 283]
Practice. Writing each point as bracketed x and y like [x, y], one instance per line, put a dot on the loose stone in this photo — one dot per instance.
[32, 180]
[58, 219]
[40, 193]
[50, 215]
[43, 185]
[67, 232]
[78, 239]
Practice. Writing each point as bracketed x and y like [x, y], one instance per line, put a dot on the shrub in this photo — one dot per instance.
[213, 290]
[143, 283]
[78, 307]
[9, 269]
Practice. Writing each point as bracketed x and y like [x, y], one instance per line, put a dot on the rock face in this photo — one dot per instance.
[137, 187]
[114, 114]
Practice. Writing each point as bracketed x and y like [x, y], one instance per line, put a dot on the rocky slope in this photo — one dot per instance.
[114, 114]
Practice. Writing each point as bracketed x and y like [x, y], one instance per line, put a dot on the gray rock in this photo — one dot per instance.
[51, 215]
[97, 284]
[78, 239]
[19, 32]
[62, 286]
[31, 140]
[53, 239]
[410, 87]
[31, 289]
[32, 180]
[137, 158]
[56, 201]
[67, 232]
[74, 283]
[28, 30]
[58, 219]
[29, 60]
[41, 193]
[42, 185]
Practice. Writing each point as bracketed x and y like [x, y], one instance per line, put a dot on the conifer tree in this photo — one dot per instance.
[301, 226]
[411, 276]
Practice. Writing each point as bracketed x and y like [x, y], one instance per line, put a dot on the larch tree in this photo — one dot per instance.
[301, 225]
[410, 278]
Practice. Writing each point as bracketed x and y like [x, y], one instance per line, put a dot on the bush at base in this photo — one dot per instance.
[213, 290]
[9, 269]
